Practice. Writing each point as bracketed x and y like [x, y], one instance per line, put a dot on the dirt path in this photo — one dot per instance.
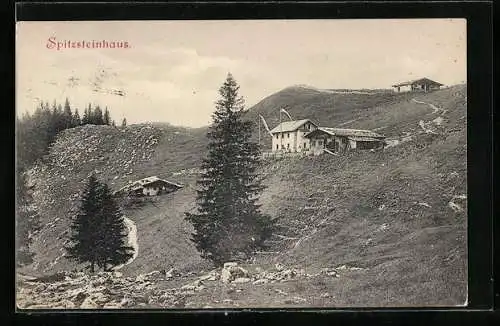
[132, 241]
[435, 109]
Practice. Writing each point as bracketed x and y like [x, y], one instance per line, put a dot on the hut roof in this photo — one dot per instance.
[363, 138]
[359, 133]
[288, 126]
[153, 179]
[418, 81]
[136, 185]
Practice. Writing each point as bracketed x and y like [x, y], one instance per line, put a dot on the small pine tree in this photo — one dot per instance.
[67, 115]
[97, 116]
[228, 221]
[98, 231]
[113, 123]
[124, 122]
[76, 119]
[87, 119]
[106, 117]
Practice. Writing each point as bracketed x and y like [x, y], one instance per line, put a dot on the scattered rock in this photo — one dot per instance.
[231, 271]
[230, 264]
[279, 291]
[260, 281]
[455, 207]
[88, 303]
[424, 204]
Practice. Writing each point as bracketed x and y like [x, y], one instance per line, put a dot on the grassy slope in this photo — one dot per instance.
[386, 212]
[414, 254]
[118, 156]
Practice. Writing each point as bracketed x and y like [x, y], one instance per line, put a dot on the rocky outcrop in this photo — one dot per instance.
[111, 290]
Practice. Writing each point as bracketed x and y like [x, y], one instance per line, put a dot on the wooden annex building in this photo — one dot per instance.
[339, 140]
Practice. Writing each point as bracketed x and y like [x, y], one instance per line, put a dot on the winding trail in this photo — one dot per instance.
[432, 106]
[132, 241]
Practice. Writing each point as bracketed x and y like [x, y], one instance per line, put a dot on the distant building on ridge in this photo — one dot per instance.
[422, 84]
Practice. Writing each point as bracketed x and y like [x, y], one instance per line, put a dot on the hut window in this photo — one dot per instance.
[277, 146]
[288, 135]
[282, 135]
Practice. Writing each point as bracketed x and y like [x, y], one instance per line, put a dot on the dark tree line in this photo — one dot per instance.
[35, 132]
[34, 135]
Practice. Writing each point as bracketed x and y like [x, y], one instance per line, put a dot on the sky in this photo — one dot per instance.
[171, 70]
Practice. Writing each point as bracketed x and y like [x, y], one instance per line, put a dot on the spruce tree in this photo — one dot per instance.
[113, 250]
[67, 115]
[86, 119]
[124, 122]
[106, 117]
[97, 116]
[228, 221]
[76, 119]
[98, 231]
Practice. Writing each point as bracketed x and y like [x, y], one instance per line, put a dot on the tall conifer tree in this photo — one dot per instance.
[228, 221]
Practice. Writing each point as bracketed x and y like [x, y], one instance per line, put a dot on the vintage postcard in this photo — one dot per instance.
[241, 164]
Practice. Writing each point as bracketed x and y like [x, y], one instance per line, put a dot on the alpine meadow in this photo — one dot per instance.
[287, 164]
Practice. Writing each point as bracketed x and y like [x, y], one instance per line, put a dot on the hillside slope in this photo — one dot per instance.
[117, 156]
[397, 215]
[324, 108]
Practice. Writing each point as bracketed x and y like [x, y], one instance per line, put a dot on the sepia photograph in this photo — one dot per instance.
[204, 164]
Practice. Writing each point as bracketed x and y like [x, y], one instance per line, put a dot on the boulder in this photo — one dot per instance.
[242, 280]
[260, 281]
[117, 274]
[88, 303]
[232, 272]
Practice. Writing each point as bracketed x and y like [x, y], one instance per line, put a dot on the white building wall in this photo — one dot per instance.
[406, 88]
[150, 191]
[292, 141]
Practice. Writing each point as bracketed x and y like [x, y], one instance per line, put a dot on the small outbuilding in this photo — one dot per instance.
[422, 85]
[339, 140]
[150, 186]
